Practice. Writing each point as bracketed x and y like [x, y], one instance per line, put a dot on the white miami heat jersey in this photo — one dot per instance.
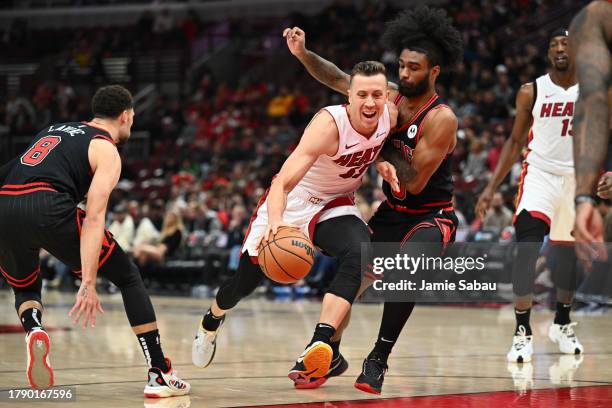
[332, 176]
[550, 137]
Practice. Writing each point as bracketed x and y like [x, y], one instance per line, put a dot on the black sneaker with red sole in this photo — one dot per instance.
[338, 366]
[372, 375]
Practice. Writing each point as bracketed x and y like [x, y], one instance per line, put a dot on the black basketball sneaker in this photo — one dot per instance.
[372, 374]
[338, 366]
[314, 361]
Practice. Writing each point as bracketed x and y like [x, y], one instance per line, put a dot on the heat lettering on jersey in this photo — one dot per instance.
[557, 109]
[358, 161]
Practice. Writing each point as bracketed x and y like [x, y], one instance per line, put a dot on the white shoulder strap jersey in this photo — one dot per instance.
[333, 176]
[550, 137]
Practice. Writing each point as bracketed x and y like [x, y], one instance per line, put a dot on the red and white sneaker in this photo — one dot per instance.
[39, 371]
[168, 384]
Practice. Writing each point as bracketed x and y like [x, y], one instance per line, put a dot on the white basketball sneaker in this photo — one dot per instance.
[163, 385]
[522, 347]
[39, 371]
[563, 334]
[205, 345]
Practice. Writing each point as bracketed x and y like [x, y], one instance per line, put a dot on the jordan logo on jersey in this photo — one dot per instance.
[358, 161]
[557, 109]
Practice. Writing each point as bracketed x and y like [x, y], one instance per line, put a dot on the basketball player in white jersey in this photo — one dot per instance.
[545, 201]
[314, 191]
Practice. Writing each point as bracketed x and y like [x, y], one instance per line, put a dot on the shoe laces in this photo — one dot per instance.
[175, 381]
[374, 367]
[568, 331]
[521, 339]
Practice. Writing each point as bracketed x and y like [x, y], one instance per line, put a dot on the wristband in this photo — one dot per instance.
[585, 198]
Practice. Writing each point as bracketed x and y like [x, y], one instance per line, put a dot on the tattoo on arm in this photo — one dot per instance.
[591, 123]
[405, 172]
[326, 72]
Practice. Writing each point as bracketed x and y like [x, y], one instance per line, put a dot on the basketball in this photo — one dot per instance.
[287, 257]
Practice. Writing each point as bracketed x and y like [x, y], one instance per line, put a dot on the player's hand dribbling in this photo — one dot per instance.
[604, 187]
[87, 304]
[388, 173]
[272, 229]
[296, 40]
[484, 202]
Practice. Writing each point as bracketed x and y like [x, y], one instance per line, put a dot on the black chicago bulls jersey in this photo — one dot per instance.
[438, 192]
[58, 156]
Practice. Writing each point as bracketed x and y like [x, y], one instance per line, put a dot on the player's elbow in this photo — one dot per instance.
[281, 183]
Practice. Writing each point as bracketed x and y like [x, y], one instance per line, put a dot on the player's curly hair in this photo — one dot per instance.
[426, 30]
[109, 101]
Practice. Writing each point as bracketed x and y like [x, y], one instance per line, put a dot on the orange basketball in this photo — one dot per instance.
[287, 257]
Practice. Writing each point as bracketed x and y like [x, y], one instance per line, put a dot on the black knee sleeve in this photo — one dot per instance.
[530, 232]
[564, 269]
[122, 272]
[345, 238]
[350, 272]
[30, 292]
[247, 278]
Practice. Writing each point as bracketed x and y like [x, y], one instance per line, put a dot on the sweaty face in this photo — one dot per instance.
[414, 73]
[367, 98]
[126, 122]
[558, 53]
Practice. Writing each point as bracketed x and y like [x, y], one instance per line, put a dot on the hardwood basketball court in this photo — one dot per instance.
[447, 356]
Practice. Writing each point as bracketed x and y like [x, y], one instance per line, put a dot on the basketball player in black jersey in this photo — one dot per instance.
[591, 43]
[39, 194]
[418, 154]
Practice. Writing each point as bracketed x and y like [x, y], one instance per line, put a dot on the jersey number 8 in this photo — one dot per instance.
[37, 153]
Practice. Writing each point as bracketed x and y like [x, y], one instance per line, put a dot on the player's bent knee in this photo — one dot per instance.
[120, 270]
[353, 264]
[530, 229]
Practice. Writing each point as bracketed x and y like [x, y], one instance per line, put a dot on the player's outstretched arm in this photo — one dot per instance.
[591, 125]
[513, 146]
[106, 166]
[322, 70]
[320, 137]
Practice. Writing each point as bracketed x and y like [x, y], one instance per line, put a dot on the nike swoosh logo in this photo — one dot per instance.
[388, 341]
[333, 367]
[308, 373]
[380, 134]
[351, 146]
[548, 96]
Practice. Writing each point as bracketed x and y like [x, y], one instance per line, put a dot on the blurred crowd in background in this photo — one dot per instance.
[214, 144]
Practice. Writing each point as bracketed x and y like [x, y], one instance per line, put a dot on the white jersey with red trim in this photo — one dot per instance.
[341, 174]
[550, 137]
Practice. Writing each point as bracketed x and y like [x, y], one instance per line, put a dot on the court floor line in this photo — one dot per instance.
[222, 363]
[597, 382]
[430, 400]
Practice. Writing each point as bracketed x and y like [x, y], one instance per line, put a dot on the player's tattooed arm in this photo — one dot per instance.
[439, 137]
[321, 69]
[590, 33]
